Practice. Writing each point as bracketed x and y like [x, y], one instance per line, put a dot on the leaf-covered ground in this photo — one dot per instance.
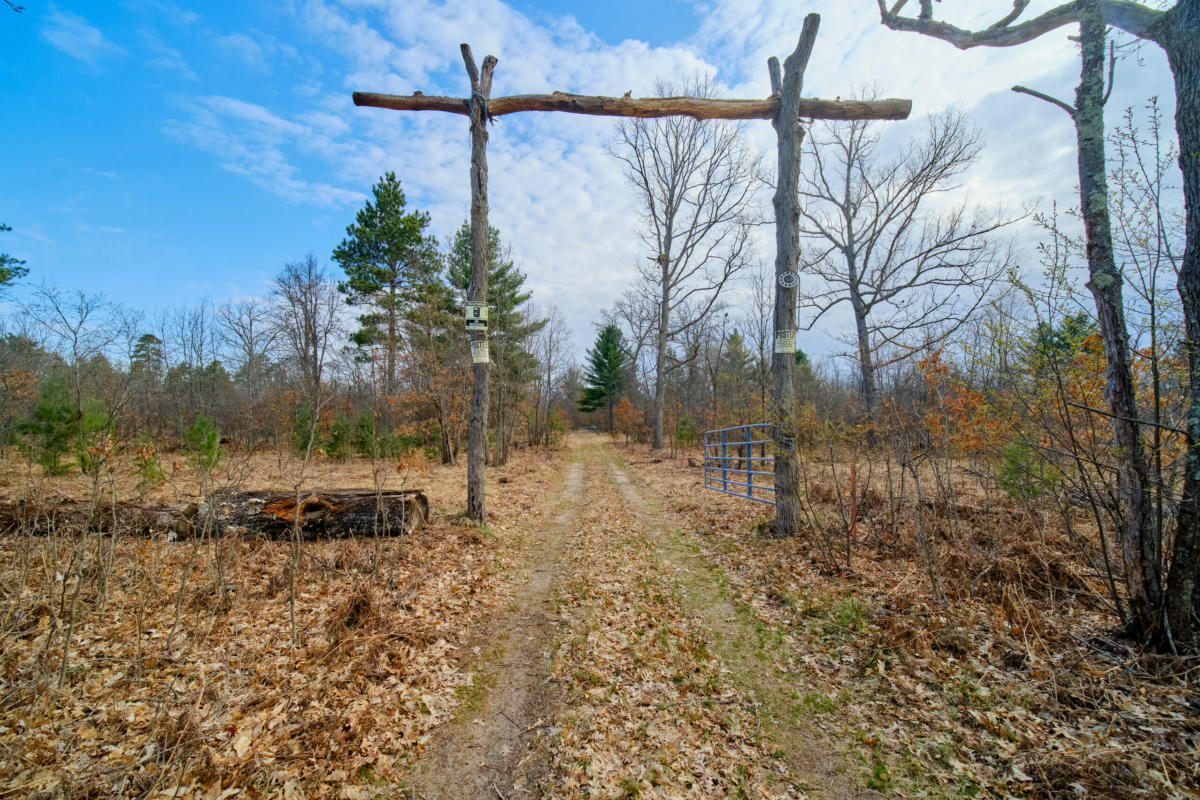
[223, 702]
[1010, 687]
[614, 631]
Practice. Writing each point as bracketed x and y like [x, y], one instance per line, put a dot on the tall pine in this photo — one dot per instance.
[605, 374]
[510, 328]
[386, 252]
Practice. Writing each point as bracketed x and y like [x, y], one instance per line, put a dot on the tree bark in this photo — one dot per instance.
[334, 513]
[787, 256]
[645, 107]
[1143, 573]
[866, 362]
[660, 354]
[477, 444]
[1180, 38]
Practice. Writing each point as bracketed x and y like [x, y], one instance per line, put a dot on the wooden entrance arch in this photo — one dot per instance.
[784, 107]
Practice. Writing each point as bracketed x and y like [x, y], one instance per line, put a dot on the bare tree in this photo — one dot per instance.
[758, 322]
[80, 327]
[246, 330]
[910, 275]
[695, 181]
[550, 349]
[1160, 615]
[306, 318]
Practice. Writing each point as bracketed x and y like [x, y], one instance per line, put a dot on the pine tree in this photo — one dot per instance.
[605, 374]
[384, 254]
[510, 328]
[11, 269]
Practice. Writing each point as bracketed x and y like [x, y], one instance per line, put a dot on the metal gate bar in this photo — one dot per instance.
[717, 470]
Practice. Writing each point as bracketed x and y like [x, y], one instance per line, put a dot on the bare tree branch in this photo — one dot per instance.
[1131, 17]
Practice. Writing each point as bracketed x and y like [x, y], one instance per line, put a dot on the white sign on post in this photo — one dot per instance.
[476, 315]
[785, 341]
[479, 351]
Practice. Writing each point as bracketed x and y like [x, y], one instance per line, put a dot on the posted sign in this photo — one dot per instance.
[479, 351]
[785, 341]
[476, 315]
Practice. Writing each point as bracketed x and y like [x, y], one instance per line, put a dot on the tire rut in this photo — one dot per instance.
[809, 757]
[497, 750]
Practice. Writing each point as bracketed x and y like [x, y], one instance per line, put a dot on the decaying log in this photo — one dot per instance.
[646, 107]
[323, 514]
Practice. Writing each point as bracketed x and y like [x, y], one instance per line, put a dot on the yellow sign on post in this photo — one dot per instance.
[476, 315]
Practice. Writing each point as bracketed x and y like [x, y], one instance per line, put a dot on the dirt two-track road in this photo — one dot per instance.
[621, 667]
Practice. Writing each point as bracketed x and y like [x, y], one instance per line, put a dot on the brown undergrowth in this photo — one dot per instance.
[987, 669]
[216, 697]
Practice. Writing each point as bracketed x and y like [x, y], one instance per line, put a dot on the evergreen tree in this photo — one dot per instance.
[433, 327]
[51, 428]
[510, 328]
[385, 252]
[11, 269]
[148, 360]
[605, 374]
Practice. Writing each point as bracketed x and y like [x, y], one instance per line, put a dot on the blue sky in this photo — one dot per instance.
[163, 152]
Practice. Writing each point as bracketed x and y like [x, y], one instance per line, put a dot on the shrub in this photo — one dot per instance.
[363, 437]
[95, 440]
[203, 443]
[686, 433]
[146, 466]
[303, 432]
[50, 431]
[1023, 473]
[339, 442]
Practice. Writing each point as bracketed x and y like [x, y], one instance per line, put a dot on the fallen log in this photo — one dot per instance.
[323, 514]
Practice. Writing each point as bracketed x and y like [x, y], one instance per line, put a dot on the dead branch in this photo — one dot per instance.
[644, 107]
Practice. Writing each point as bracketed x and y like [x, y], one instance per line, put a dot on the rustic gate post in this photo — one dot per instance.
[787, 252]
[785, 107]
[477, 442]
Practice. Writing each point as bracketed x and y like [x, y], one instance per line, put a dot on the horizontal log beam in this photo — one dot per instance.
[695, 107]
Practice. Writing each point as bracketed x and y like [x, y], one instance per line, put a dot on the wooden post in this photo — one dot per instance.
[784, 107]
[481, 89]
[787, 253]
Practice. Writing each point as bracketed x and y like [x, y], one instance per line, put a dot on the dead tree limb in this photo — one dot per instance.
[324, 514]
[645, 107]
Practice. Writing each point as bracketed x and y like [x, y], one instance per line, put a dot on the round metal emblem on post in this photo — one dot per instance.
[788, 279]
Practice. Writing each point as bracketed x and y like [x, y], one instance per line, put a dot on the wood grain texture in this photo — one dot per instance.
[644, 107]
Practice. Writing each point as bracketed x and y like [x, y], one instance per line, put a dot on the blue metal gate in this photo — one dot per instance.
[750, 476]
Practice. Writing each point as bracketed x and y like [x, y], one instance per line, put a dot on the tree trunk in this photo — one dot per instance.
[481, 87]
[334, 513]
[787, 255]
[660, 356]
[1143, 574]
[1181, 40]
[866, 361]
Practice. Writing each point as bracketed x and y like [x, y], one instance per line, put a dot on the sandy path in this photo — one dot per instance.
[493, 747]
[808, 757]
[498, 745]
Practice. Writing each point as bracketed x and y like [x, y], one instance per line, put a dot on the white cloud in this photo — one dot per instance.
[558, 198]
[77, 38]
[165, 58]
[251, 141]
[256, 49]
